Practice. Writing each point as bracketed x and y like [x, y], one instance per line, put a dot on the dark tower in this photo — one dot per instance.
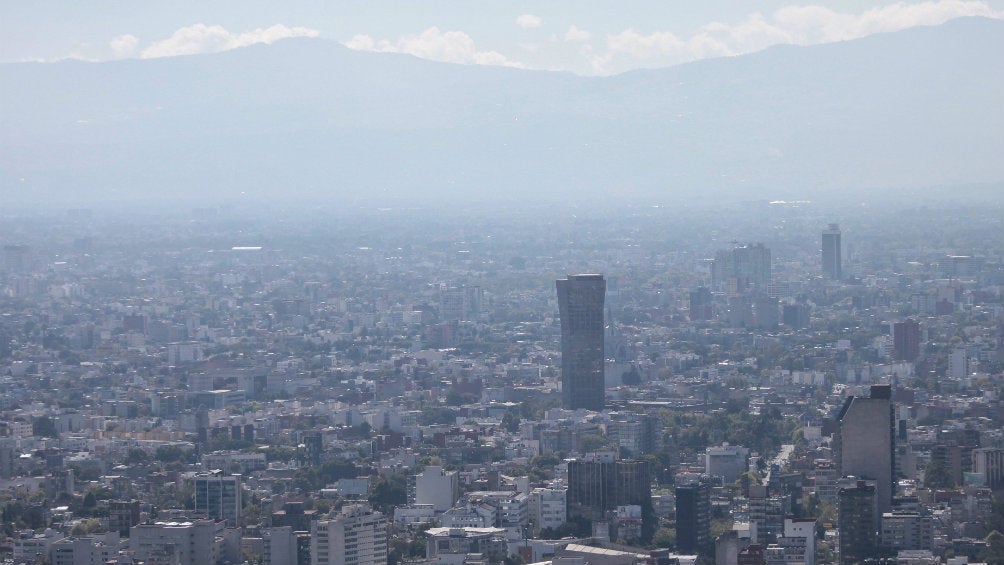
[580, 305]
[831, 253]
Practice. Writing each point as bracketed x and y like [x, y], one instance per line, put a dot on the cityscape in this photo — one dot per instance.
[751, 383]
[502, 283]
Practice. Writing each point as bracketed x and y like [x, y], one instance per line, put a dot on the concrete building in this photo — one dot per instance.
[98, 549]
[865, 442]
[198, 542]
[906, 530]
[548, 507]
[356, 536]
[580, 306]
[450, 546]
[726, 461]
[279, 546]
[435, 486]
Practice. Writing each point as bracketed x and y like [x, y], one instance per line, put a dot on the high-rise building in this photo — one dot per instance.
[865, 442]
[742, 268]
[693, 517]
[218, 496]
[701, 304]
[857, 519]
[906, 340]
[832, 268]
[989, 463]
[580, 305]
[356, 536]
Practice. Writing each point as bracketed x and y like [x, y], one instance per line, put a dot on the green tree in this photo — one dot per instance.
[994, 554]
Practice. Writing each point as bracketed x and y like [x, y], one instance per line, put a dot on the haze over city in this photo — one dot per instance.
[456, 283]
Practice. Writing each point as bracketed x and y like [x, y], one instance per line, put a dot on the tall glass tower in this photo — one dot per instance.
[580, 305]
[831, 253]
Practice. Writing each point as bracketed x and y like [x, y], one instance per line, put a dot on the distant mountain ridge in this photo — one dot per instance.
[308, 119]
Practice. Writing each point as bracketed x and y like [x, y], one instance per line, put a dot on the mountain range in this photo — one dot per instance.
[308, 120]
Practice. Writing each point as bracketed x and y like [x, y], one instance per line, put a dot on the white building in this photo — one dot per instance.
[279, 547]
[548, 507]
[726, 461]
[356, 536]
[198, 542]
[796, 546]
[98, 549]
[436, 486]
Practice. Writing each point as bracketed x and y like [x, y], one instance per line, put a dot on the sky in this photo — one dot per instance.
[587, 37]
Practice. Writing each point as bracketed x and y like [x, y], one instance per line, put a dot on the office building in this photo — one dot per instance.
[988, 462]
[580, 306]
[693, 518]
[906, 340]
[857, 518]
[701, 302]
[832, 268]
[355, 536]
[907, 530]
[865, 443]
[218, 497]
[599, 483]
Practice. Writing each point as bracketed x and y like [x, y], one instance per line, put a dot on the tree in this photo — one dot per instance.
[938, 475]
[994, 554]
[136, 456]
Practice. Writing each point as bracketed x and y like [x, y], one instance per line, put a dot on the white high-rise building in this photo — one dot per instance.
[356, 536]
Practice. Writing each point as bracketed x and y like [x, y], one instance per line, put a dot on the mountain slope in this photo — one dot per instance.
[309, 119]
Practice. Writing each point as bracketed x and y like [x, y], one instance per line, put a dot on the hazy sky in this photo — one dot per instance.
[582, 36]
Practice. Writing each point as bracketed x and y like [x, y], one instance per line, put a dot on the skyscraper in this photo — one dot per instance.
[831, 253]
[218, 496]
[906, 340]
[865, 442]
[858, 522]
[693, 517]
[580, 306]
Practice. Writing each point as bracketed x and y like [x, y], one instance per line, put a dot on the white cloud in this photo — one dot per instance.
[527, 21]
[801, 25]
[576, 34]
[200, 38]
[123, 45]
[436, 45]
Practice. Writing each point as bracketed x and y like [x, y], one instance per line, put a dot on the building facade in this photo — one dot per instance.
[356, 536]
[580, 306]
[865, 442]
[832, 261]
[218, 497]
